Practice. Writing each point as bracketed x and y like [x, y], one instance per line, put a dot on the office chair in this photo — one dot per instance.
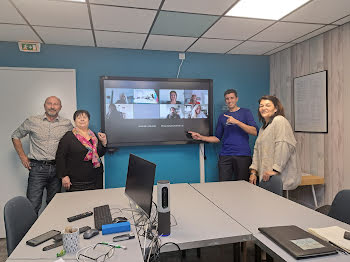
[274, 185]
[340, 207]
[19, 216]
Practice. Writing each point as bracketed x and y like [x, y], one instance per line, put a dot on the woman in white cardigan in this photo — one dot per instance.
[275, 148]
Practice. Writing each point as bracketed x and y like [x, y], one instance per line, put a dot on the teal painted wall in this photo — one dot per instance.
[249, 75]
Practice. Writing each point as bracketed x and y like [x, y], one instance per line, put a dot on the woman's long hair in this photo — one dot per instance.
[278, 105]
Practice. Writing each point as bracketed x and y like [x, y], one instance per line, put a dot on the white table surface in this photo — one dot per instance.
[65, 205]
[199, 222]
[254, 207]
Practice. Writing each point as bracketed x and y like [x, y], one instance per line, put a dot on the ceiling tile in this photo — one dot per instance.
[65, 36]
[181, 24]
[120, 40]
[343, 20]
[8, 14]
[285, 32]
[285, 46]
[198, 6]
[236, 28]
[122, 19]
[14, 33]
[254, 48]
[169, 43]
[320, 11]
[55, 13]
[152, 4]
[206, 45]
[315, 33]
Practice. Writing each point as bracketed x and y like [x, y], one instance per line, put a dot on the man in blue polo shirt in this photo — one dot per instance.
[233, 129]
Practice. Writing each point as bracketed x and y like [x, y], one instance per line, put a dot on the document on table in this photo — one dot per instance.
[332, 234]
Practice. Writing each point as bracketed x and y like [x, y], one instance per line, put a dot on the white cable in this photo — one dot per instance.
[144, 244]
[178, 72]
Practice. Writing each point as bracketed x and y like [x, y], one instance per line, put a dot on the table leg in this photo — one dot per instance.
[237, 252]
[314, 195]
[257, 253]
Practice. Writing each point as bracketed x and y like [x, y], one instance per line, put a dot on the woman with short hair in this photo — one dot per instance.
[78, 155]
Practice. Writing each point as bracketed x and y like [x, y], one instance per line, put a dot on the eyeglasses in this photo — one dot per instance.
[102, 257]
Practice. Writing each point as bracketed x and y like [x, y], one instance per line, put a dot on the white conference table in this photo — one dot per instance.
[199, 223]
[254, 207]
[65, 205]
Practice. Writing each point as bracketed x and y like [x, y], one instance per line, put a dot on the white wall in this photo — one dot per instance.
[23, 92]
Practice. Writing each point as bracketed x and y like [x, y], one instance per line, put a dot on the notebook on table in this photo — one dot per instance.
[298, 242]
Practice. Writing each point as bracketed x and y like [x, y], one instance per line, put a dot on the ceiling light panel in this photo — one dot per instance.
[320, 11]
[169, 43]
[236, 28]
[152, 4]
[8, 14]
[55, 13]
[130, 20]
[267, 9]
[209, 7]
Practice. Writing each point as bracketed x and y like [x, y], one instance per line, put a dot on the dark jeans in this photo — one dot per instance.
[42, 176]
[234, 168]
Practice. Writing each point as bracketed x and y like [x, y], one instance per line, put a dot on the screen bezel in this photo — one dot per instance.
[173, 142]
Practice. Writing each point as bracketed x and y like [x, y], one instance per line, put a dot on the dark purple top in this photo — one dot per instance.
[235, 141]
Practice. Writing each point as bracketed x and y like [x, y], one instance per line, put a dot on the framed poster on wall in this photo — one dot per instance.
[310, 103]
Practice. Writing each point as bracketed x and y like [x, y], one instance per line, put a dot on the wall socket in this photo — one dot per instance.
[182, 56]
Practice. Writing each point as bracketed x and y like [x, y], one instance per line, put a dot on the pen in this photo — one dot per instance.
[112, 245]
[339, 248]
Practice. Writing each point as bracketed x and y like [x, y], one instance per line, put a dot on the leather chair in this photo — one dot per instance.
[19, 216]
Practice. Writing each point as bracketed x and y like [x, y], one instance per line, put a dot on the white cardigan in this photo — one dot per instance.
[275, 149]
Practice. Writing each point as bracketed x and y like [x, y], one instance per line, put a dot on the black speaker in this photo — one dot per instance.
[163, 207]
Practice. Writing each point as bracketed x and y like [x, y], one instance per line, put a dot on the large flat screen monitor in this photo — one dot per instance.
[144, 111]
[139, 183]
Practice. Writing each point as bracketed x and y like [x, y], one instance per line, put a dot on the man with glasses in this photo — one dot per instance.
[233, 130]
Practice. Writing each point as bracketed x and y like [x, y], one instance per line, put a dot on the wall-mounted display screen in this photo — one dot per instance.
[141, 111]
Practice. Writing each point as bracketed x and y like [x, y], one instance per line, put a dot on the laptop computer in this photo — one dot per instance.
[298, 242]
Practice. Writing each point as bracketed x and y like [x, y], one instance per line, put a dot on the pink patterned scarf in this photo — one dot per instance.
[92, 148]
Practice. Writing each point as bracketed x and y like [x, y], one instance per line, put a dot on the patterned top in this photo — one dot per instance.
[44, 135]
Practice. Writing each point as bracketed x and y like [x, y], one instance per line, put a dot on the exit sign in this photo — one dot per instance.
[29, 46]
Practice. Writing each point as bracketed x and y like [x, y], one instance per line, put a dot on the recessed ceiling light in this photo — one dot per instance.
[265, 9]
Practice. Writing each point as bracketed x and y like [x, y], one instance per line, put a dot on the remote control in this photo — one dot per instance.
[80, 216]
[56, 244]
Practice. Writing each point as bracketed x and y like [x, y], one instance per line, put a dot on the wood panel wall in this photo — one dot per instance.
[324, 155]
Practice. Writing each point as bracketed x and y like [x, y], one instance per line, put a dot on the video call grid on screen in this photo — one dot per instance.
[156, 103]
[137, 111]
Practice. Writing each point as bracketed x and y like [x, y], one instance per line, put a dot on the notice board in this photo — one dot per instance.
[310, 103]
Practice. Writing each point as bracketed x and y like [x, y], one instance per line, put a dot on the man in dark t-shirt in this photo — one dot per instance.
[233, 130]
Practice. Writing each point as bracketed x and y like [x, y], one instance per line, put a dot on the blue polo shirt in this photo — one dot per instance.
[235, 141]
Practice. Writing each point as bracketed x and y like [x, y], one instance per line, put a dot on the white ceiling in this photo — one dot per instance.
[171, 25]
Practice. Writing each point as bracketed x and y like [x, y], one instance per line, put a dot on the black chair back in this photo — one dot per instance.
[19, 216]
[274, 185]
[340, 206]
